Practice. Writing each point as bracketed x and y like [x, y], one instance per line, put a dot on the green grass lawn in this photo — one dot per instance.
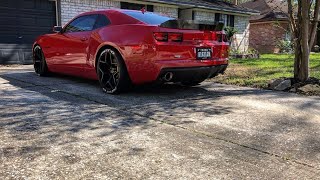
[258, 72]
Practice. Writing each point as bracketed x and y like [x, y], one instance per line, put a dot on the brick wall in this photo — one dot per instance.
[168, 11]
[71, 8]
[241, 23]
[204, 16]
[265, 36]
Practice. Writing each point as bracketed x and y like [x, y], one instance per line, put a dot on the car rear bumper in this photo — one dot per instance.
[151, 71]
[191, 73]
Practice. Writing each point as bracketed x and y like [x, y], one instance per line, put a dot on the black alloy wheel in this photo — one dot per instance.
[39, 62]
[112, 72]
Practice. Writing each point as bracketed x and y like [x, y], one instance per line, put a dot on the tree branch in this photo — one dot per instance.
[293, 25]
[315, 23]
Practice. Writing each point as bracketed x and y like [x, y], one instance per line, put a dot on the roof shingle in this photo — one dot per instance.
[271, 10]
[210, 4]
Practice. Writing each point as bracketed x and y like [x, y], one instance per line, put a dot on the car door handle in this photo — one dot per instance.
[83, 39]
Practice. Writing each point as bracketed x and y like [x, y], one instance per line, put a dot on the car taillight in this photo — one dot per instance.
[161, 36]
[165, 37]
[219, 37]
[222, 38]
[175, 37]
[224, 51]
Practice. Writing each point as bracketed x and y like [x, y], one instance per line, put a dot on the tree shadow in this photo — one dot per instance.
[60, 109]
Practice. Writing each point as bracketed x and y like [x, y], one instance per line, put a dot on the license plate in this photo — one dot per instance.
[204, 53]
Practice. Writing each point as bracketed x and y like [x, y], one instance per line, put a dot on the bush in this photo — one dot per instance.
[234, 51]
[285, 46]
[316, 48]
[230, 32]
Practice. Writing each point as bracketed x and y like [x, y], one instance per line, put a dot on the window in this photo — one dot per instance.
[101, 21]
[228, 20]
[224, 19]
[83, 23]
[134, 6]
[193, 15]
[148, 17]
[217, 17]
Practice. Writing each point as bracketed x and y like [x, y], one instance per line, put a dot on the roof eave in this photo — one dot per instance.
[268, 20]
[253, 12]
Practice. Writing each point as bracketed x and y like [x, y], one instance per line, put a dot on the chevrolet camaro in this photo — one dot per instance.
[124, 47]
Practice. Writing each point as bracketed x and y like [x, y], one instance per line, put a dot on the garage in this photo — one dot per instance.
[21, 22]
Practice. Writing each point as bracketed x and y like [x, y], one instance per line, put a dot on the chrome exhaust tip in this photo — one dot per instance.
[168, 76]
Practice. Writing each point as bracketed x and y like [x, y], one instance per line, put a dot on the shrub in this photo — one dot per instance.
[316, 48]
[230, 32]
[285, 46]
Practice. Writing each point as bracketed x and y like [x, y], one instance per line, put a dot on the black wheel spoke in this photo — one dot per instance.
[102, 74]
[114, 79]
[110, 85]
[101, 71]
[110, 57]
[103, 59]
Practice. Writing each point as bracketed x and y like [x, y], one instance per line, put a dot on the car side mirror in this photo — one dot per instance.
[57, 29]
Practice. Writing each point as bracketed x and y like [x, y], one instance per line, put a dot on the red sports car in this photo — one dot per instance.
[123, 47]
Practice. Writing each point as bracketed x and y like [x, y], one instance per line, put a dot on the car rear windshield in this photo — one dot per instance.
[148, 17]
[193, 25]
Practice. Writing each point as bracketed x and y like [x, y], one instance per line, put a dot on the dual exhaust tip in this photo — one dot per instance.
[167, 76]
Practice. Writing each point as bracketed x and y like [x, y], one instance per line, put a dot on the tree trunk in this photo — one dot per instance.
[303, 33]
[302, 47]
[297, 58]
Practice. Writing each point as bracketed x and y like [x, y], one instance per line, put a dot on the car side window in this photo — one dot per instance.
[102, 21]
[83, 23]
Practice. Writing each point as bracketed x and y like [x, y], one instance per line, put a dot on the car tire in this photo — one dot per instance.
[112, 72]
[192, 83]
[39, 62]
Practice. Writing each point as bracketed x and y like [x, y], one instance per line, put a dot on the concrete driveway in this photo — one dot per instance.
[67, 128]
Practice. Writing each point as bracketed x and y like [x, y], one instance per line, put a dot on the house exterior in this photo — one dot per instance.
[271, 26]
[23, 20]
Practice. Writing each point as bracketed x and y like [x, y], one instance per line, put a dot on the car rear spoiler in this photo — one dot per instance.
[193, 25]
